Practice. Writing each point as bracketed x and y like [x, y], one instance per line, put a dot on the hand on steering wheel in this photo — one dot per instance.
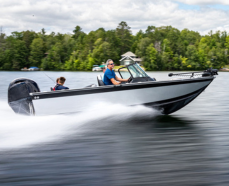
[130, 79]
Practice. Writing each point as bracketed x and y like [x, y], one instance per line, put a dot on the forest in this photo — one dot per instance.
[161, 48]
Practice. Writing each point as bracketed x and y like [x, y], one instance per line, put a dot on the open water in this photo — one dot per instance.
[116, 144]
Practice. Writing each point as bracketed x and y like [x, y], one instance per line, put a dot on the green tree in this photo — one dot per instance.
[37, 52]
[136, 40]
[103, 51]
[90, 61]
[142, 46]
[20, 54]
[125, 36]
[150, 62]
[192, 55]
[227, 42]
[77, 32]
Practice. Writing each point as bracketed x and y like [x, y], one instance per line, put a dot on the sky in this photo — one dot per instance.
[63, 16]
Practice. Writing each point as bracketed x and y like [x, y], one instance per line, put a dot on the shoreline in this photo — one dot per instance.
[116, 70]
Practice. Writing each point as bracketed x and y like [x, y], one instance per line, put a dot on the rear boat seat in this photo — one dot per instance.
[100, 80]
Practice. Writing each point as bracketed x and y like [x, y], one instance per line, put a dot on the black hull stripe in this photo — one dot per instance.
[95, 90]
[170, 106]
[172, 100]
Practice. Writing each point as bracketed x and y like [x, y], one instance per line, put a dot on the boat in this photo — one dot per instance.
[167, 96]
[97, 69]
[30, 69]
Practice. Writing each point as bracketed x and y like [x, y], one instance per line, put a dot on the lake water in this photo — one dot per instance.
[116, 144]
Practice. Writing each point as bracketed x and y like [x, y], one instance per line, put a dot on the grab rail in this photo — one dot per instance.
[208, 72]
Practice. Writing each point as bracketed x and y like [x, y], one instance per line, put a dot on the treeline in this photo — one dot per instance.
[161, 48]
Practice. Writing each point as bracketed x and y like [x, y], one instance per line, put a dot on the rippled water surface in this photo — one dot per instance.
[116, 144]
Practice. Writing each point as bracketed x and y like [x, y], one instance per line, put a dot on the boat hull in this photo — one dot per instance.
[167, 96]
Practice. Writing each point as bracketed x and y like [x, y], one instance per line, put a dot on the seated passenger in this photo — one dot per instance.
[57, 80]
[109, 75]
[60, 84]
[104, 69]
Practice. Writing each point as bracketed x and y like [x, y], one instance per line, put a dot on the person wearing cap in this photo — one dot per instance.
[109, 77]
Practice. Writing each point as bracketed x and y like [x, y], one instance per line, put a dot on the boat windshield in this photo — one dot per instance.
[137, 71]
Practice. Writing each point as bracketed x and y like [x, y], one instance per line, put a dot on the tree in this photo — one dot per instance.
[103, 51]
[173, 37]
[114, 42]
[28, 37]
[189, 37]
[53, 59]
[37, 52]
[90, 61]
[164, 63]
[136, 40]
[150, 59]
[175, 49]
[150, 32]
[142, 46]
[227, 42]
[192, 56]
[183, 62]
[17, 35]
[77, 32]
[124, 34]
[20, 54]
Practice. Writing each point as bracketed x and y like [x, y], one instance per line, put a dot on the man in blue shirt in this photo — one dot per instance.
[60, 84]
[109, 75]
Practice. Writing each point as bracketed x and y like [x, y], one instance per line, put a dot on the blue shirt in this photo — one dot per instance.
[108, 75]
[60, 87]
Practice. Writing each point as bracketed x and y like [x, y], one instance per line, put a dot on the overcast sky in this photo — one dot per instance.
[62, 16]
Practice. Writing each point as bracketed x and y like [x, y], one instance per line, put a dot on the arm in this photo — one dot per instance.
[114, 82]
[120, 79]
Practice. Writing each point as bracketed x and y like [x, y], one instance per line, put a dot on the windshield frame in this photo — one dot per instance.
[121, 73]
[136, 68]
[141, 70]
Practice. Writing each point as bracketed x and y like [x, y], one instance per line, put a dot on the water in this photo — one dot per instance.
[116, 144]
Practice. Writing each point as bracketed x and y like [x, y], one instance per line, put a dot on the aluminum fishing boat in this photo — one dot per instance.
[25, 97]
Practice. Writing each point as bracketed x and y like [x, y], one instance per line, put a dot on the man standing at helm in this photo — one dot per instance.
[109, 77]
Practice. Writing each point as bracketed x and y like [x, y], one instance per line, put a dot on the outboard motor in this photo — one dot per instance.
[18, 95]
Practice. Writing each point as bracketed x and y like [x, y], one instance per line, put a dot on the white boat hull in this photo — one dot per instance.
[168, 96]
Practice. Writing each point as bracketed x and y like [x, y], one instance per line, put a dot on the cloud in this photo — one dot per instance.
[63, 16]
[204, 2]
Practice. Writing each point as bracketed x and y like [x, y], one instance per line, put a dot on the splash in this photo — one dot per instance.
[17, 131]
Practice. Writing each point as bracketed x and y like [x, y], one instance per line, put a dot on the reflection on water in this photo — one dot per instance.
[119, 145]
[171, 122]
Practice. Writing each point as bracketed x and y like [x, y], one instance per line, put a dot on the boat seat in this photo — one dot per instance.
[100, 80]
[92, 85]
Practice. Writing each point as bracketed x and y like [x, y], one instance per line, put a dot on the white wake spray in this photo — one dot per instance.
[17, 131]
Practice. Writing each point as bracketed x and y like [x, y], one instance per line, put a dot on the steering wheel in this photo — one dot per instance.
[130, 79]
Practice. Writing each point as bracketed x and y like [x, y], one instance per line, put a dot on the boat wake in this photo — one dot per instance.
[18, 131]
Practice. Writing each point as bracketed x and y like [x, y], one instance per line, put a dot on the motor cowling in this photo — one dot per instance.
[19, 98]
